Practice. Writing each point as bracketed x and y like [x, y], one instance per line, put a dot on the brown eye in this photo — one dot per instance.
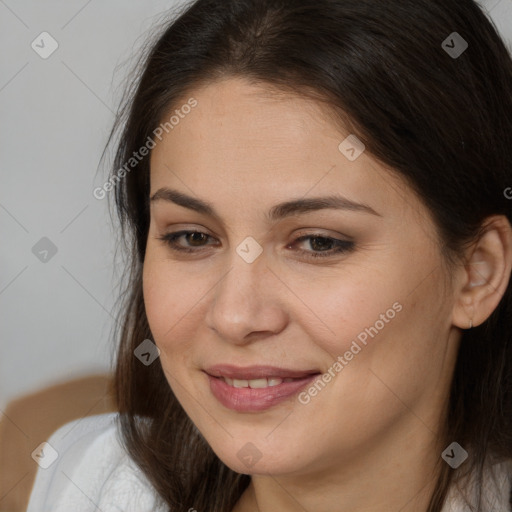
[323, 246]
[194, 238]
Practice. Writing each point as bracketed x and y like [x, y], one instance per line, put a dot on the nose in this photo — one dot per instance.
[247, 303]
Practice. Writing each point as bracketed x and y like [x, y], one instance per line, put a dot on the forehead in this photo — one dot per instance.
[236, 117]
[243, 139]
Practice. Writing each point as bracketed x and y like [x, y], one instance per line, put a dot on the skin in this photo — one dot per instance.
[376, 425]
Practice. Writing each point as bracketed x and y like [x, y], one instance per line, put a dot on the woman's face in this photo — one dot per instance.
[364, 329]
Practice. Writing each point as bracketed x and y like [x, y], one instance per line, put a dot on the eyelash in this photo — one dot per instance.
[342, 246]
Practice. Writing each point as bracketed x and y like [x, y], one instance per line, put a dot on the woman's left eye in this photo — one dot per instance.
[334, 245]
[325, 246]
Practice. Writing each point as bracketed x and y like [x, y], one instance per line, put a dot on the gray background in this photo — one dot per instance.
[55, 116]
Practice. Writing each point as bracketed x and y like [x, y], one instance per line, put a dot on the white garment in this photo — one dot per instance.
[93, 473]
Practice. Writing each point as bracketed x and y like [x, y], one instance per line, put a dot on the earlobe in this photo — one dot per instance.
[486, 274]
[468, 313]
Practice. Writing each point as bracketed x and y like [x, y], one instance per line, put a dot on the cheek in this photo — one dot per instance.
[163, 300]
[173, 303]
[391, 353]
[343, 309]
[381, 326]
[155, 296]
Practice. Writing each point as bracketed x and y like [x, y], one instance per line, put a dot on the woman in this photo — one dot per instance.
[316, 200]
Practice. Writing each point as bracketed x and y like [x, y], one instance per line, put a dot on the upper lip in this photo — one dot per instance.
[256, 372]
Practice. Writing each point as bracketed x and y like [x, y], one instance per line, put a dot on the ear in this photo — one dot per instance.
[485, 274]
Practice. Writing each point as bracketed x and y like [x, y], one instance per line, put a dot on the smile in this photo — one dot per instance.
[256, 388]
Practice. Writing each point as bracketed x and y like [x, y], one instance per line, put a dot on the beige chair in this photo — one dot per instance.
[30, 420]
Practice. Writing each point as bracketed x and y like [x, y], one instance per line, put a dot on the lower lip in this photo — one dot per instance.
[254, 400]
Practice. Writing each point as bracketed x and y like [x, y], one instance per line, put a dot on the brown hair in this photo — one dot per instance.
[443, 124]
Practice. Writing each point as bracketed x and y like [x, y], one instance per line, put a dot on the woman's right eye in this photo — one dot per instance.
[171, 239]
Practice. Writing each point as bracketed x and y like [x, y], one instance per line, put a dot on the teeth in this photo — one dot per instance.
[240, 383]
[258, 383]
[254, 383]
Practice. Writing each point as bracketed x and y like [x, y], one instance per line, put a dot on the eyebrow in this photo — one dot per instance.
[277, 212]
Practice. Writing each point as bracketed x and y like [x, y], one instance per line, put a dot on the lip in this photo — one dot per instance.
[260, 399]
